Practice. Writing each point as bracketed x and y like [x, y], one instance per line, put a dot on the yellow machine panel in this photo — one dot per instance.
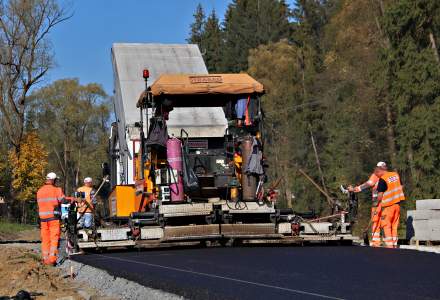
[123, 201]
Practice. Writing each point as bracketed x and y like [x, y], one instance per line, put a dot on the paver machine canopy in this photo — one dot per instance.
[228, 168]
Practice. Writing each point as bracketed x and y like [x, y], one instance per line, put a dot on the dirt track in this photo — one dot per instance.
[21, 269]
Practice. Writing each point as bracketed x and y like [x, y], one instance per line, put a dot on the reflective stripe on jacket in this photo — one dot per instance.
[373, 181]
[394, 193]
[48, 200]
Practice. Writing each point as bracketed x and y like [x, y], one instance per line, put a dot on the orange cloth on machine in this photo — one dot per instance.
[82, 207]
[50, 235]
[247, 118]
[390, 222]
[238, 163]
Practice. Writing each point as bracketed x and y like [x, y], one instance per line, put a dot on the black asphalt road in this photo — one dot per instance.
[279, 272]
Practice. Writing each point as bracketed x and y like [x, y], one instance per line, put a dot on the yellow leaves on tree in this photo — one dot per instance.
[28, 168]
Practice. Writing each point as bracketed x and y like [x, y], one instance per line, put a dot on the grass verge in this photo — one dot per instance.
[10, 228]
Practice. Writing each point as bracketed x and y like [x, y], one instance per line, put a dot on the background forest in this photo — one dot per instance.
[349, 83]
[356, 80]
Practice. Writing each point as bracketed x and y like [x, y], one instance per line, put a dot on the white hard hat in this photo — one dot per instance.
[381, 164]
[88, 179]
[51, 176]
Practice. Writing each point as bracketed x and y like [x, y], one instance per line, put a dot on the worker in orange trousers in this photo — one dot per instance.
[390, 194]
[375, 207]
[49, 197]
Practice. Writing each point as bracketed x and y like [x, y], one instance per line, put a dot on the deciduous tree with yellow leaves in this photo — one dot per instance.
[28, 170]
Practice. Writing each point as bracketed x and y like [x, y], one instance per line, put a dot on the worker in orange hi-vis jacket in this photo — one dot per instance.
[85, 213]
[390, 194]
[49, 198]
[372, 183]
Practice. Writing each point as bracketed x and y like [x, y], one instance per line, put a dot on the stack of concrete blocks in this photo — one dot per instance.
[423, 224]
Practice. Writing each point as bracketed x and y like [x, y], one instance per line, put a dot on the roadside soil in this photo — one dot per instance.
[21, 269]
[25, 235]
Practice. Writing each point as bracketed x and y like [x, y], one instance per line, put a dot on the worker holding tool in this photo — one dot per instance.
[372, 183]
[390, 194]
[87, 204]
[49, 197]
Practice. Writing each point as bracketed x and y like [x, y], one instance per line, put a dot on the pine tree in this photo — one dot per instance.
[414, 75]
[197, 26]
[250, 23]
[212, 43]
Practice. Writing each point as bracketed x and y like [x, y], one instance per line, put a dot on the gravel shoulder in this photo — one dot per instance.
[111, 286]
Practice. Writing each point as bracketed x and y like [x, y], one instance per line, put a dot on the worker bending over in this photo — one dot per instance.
[49, 198]
[375, 207]
[390, 194]
[86, 207]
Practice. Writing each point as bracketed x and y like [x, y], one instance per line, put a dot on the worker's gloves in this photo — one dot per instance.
[344, 190]
[93, 197]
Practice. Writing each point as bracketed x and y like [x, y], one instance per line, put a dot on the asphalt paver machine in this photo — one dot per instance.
[192, 189]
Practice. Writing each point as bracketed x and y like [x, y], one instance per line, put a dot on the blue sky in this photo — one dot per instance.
[82, 44]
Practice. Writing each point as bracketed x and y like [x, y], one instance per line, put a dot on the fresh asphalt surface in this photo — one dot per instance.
[332, 272]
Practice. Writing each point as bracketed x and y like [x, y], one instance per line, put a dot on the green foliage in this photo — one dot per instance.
[250, 23]
[247, 24]
[212, 43]
[370, 71]
[278, 67]
[414, 83]
[196, 28]
[72, 121]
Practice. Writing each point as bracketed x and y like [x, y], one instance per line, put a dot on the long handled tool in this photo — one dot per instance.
[365, 232]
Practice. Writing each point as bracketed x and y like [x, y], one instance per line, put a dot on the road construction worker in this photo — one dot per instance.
[86, 207]
[390, 194]
[49, 198]
[375, 207]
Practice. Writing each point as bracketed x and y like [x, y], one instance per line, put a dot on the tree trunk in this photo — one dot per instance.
[413, 178]
[391, 136]
[22, 211]
[288, 195]
[66, 167]
[318, 163]
[434, 47]
[25, 212]
[287, 190]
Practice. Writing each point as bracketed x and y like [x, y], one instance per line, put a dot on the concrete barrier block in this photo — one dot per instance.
[426, 230]
[424, 214]
[422, 230]
[435, 230]
[428, 204]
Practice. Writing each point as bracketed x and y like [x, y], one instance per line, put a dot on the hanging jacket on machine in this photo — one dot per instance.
[158, 133]
[190, 180]
[254, 164]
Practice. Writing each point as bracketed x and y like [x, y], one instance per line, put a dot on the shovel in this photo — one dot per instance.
[365, 233]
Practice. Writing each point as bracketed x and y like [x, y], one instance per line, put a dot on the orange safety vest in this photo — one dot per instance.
[82, 207]
[394, 193]
[48, 199]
